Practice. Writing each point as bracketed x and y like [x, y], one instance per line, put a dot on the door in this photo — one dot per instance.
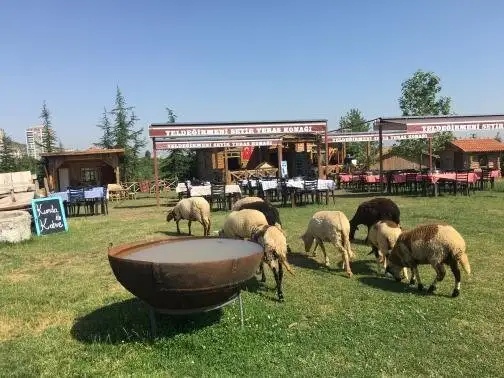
[64, 178]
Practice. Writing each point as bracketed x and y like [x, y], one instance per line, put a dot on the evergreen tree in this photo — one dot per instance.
[49, 139]
[125, 136]
[180, 163]
[7, 160]
[353, 121]
[107, 140]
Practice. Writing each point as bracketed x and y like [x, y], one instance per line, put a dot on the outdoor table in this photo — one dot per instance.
[91, 195]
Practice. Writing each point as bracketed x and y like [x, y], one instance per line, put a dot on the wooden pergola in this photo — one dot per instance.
[430, 125]
[226, 135]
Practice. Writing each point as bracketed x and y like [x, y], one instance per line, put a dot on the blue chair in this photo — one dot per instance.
[76, 198]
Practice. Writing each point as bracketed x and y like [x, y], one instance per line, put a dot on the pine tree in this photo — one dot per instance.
[7, 160]
[107, 140]
[48, 135]
[125, 136]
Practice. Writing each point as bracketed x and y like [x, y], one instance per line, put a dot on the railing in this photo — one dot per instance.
[246, 173]
[165, 185]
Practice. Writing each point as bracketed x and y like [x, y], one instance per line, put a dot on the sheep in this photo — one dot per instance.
[270, 212]
[370, 212]
[192, 209]
[239, 224]
[330, 226]
[238, 204]
[382, 236]
[274, 243]
[434, 244]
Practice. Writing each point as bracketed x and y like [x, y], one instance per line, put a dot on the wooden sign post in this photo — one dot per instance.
[49, 215]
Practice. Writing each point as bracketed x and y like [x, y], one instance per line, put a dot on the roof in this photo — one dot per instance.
[90, 151]
[432, 124]
[239, 123]
[478, 145]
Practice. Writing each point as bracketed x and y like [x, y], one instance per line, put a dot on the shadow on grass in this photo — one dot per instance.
[254, 285]
[124, 206]
[387, 284]
[128, 321]
[304, 260]
[364, 267]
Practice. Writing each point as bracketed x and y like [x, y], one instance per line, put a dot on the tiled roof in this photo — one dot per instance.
[478, 145]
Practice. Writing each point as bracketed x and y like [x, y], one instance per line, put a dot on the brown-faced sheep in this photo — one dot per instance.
[192, 209]
[239, 224]
[333, 227]
[273, 240]
[434, 244]
[372, 211]
[382, 237]
[242, 201]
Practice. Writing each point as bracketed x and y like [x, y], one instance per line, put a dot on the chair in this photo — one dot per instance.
[218, 195]
[462, 183]
[411, 182]
[309, 189]
[486, 179]
[76, 198]
[104, 202]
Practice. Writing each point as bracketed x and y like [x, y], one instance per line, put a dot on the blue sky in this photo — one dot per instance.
[240, 60]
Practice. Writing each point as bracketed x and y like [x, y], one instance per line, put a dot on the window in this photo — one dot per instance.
[88, 175]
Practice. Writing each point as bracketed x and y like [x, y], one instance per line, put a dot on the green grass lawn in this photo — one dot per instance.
[62, 311]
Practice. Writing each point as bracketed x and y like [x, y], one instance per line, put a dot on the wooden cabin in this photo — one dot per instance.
[472, 153]
[300, 156]
[98, 167]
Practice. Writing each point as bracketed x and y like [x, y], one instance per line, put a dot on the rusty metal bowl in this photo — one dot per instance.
[185, 274]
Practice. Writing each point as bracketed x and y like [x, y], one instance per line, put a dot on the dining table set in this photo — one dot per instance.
[92, 199]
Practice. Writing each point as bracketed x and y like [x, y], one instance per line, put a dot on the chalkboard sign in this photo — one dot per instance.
[49, 215]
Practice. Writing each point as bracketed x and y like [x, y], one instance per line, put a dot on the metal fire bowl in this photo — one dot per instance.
[185, 274]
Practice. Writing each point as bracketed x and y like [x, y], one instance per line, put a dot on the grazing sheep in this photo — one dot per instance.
[382, 236]
[434, 244]
[372, 211]
[273, 240]
[238, 204]
[333, 227]
[191, 209]
[270, 212]
[239, 224]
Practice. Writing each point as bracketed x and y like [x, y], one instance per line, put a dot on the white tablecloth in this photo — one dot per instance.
[206, 190]
[269, 185]
[321, 184]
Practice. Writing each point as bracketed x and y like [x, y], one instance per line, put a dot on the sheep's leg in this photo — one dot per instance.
[189, 225]
[263, 275]
[414, 271]
[314, 249]
[405, 274]
[346, 264]
[178, 228]
[456, 272]
[440, 275]
[326, 259]
[278, 279]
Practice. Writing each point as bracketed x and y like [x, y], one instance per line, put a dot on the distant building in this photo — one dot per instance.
[472, 154]
[34, 141]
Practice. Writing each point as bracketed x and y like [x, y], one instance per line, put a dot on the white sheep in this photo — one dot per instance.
[192, 209]
[333, 227]
[382, 237]
[273, 240]
[434, 244]
[242, 201]
[239, 224]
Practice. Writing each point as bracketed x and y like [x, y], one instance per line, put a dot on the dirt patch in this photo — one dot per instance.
[10, 327]
[16, 277]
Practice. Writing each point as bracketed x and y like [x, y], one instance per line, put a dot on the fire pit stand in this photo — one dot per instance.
[153, 311]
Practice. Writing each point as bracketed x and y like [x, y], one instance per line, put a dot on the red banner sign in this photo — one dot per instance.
[373, 137]
[216, 144]
[459, 126]
[238, 129]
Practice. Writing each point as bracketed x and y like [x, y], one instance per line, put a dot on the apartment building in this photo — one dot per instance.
[34, 141]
